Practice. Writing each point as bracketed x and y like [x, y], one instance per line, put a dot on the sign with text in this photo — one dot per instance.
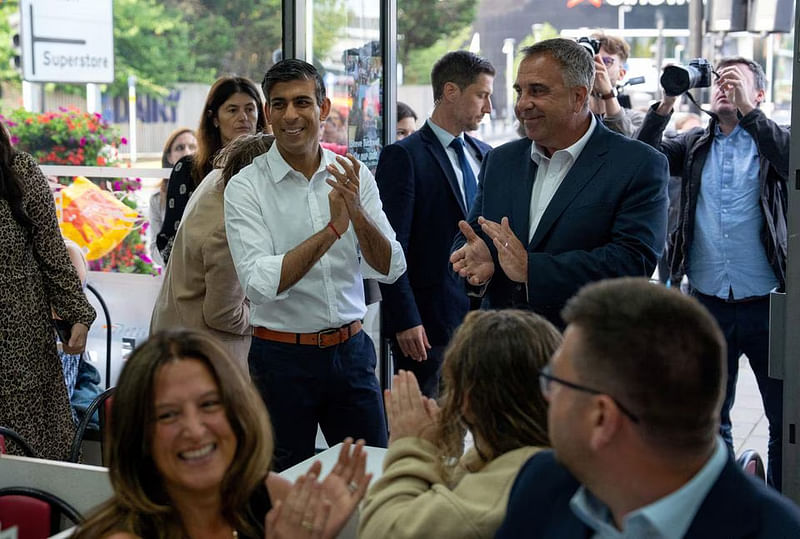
[67, 40]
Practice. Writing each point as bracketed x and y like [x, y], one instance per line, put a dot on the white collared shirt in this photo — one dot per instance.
[445, 138]
[550, 173]
[270, 209]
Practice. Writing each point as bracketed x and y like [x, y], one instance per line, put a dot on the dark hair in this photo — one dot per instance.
[759, 78]
[492, 365]
[404, 111]
[292, 69]
[168, 145]
[241, 152]
[11, 187]
[577, 67]
[461, 68]
[140, 504]
[660, 353]
[209, 138]
[614, 45]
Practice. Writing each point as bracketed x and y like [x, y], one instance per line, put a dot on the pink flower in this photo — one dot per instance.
[14, 139]
[82, 142]
[123, 140]
[11, 124]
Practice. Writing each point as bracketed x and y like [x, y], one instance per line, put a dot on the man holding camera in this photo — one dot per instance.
[610, 56]
[731, 237]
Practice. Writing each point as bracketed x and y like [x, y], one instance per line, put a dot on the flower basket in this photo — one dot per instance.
[72, 137]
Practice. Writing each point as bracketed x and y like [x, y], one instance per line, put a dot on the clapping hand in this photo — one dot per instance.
[303, 514]
[346, 485]
[346, 181]
[473, 261]
[409, 413]
[511, 253]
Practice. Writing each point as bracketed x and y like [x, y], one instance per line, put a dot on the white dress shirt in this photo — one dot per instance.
[550, 173]
[270, 209]
[445, 138]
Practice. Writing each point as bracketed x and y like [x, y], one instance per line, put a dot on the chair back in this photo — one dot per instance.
[752, 464]
[36, 513]
[103, 403]
[12, 436]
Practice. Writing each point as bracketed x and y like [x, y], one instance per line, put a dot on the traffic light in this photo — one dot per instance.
[16, 42]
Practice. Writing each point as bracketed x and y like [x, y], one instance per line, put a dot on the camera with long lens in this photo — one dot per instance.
[679, 79]
[591, 44]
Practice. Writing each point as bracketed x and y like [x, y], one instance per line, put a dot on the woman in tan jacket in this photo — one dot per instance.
[490, 372]
[201, 289]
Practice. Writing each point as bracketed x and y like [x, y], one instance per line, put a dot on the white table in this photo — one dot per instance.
[328, 459]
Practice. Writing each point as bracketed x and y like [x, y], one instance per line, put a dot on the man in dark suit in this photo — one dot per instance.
[577, 204]
[634, 396]
[427, 184]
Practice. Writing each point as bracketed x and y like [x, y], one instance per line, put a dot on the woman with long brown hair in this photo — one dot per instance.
[233, 108]
[432, 488]
[189, 453]
[37, 279]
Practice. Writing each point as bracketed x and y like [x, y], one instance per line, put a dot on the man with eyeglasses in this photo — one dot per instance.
[634, 396]
[609, 66]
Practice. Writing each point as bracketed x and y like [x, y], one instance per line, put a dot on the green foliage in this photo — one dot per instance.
[540, 33]
[421, 24]
[330, 17]
[153, 42]
[417, 70]
[232, 36]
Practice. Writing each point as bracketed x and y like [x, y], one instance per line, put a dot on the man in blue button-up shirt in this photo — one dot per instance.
[731, 239]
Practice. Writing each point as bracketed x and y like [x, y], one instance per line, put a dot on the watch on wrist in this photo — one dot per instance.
[610, 95]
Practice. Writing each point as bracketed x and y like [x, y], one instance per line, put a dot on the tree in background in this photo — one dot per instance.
[155, 43]
[422, 23]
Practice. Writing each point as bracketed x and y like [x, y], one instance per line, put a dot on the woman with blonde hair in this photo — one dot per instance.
[430, 487]
[201, 289]
[190, 447]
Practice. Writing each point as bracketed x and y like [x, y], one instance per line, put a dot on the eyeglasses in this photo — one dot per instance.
[608, 60]
[546, 378]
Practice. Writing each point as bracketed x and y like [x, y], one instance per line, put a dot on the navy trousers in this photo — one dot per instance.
[428, 372]
[746, 329]
[303, 386]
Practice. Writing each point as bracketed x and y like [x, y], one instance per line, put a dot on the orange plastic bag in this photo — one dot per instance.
[94, 218]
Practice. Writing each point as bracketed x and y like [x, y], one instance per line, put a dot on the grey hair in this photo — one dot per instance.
[577, 67]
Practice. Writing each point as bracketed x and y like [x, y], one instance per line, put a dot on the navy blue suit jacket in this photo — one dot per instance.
[607, 219]
[423, 202]
[736, 507]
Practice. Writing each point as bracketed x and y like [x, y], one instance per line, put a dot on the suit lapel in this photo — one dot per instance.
[730, 508]
[589, 161]
[435, 147]
[522, 178]
[476, 148]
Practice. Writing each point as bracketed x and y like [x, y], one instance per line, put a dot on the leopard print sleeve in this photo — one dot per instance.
[61, 284]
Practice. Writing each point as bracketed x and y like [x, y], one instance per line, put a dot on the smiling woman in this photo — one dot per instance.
[233, 108]
[190, 447]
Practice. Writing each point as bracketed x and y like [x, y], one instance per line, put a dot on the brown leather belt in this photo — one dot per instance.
[322, 339]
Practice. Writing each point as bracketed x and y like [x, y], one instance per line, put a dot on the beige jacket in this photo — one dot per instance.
[411, 499]
[201, 289]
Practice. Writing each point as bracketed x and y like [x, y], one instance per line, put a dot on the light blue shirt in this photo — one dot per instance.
[727, 255]
[445, 138]
[667, 518]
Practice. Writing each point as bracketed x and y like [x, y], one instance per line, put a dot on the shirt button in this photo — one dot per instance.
[726, 235]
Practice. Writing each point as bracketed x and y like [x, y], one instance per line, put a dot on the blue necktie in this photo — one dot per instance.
[470, 185]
